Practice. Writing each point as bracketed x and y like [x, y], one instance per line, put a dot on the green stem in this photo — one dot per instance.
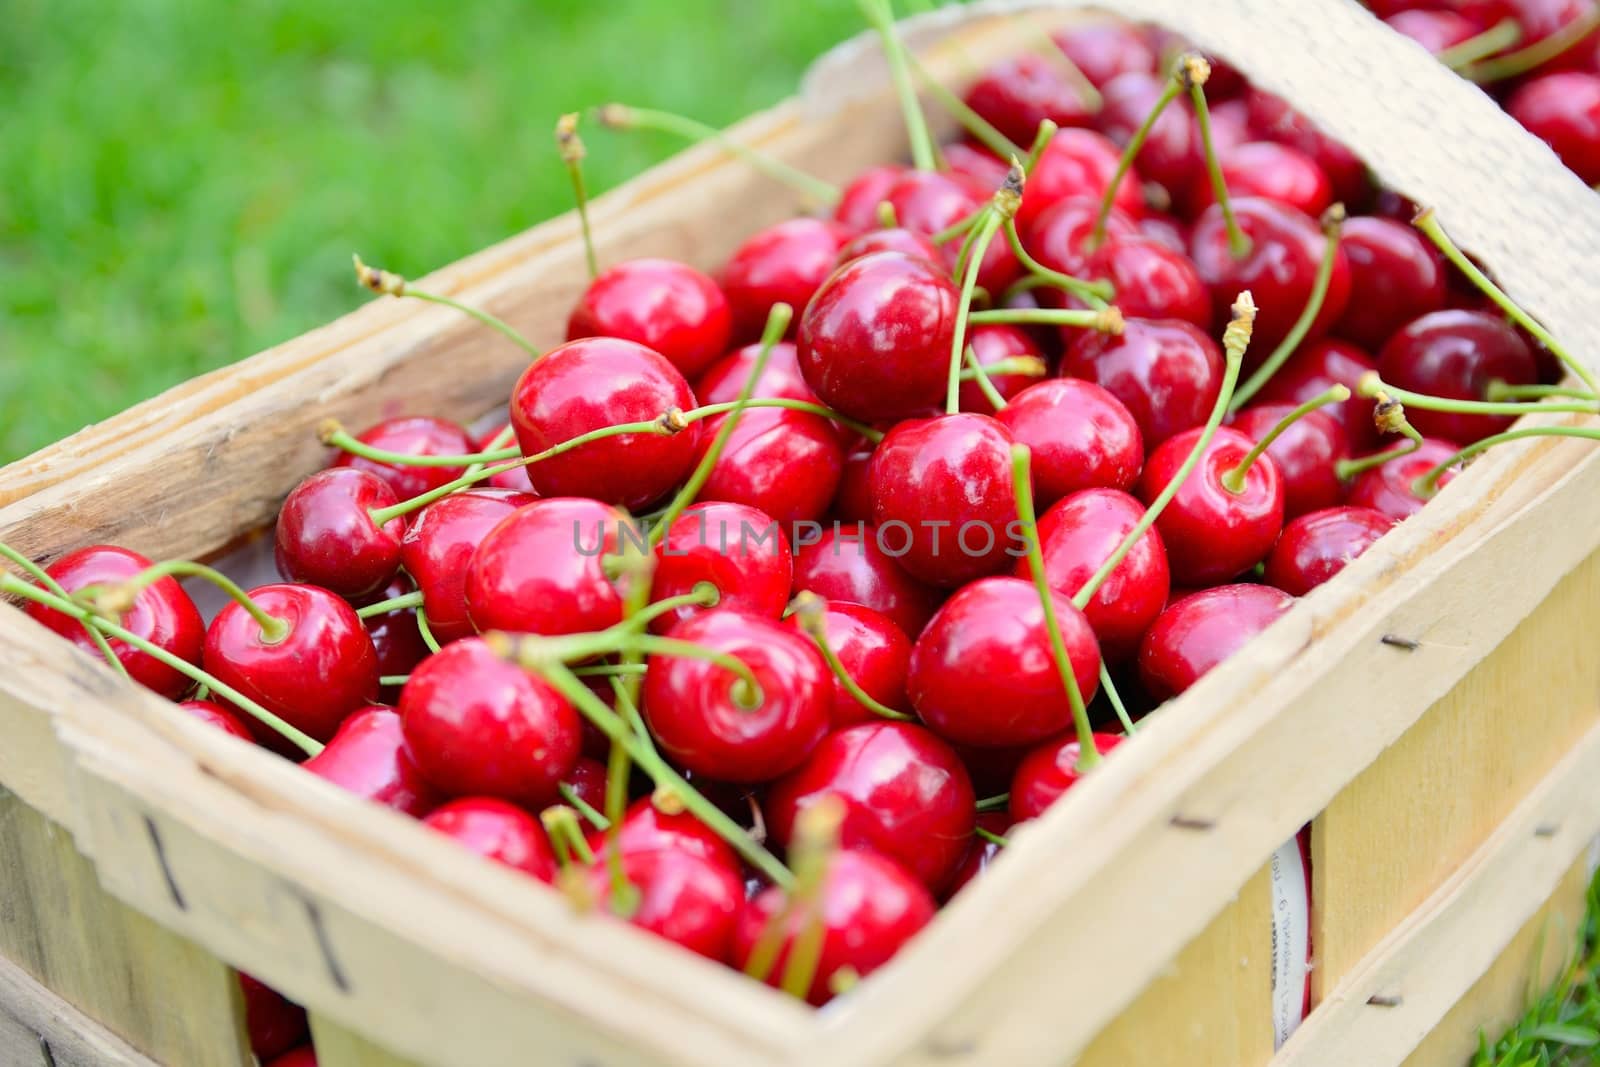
[1502, 34]
[1426, 485]
[625, 895]
[1346, 469]
[608, 670]
[961, 227]
[980, 374]
[118, 599]
[628, 708]
[975, 124]
[583, 807]
[538, 650]
[1095, 294]
[1031, 366]
[958, 343]
[1238, 243]
[570, 146]
[394, 679]
[1371, 384]
[402, 602]
[880, 15]
[1115, 697]
[1233, 479]
[704, 595]
[425, 631]
[990, 836]
[1537, 54]
[1097, 236]
[1089, 319]
[561, 825]
[995, 803]
[1499, 390]
[42, 576]
[336, 436]
[501, 440]
[391, 284]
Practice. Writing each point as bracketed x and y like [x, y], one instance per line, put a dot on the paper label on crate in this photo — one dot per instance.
[1291, 938]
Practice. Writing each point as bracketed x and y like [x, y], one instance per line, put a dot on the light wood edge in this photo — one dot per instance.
[72, 1038]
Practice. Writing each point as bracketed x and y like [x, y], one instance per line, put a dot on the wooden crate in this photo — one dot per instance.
[1452, 779]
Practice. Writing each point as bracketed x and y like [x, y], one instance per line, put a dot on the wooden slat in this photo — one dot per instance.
[39, 1029]
[340, 1047]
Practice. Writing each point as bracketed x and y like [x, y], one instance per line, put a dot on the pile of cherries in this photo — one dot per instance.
[784, 595]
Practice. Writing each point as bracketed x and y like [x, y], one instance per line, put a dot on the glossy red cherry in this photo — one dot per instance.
[982, 672]
[1563, 110]
[1050, 770]
[322, 669]
[1434, 30]
[875, 341]
[1319, 545]
[1456, 354]
[993, 342]
[1061, 236]
[1015, 95]
[368, 757]
[1151, 280]
[218, 716]
[1211, 532]
[976, 163]
[326, 536]
[413, 435]
[1081, 437]
[1316, 367]
[874, 652]
[932, 201]
[594, 383]
[476, 725]
[1166, 373]
[498, 831]
[666, 306]
[274, 1023]
[1077, 536]
[1201, 630]
[1270, 170]
[785, 463]
[1272, 118]
[740, 552]
[870, 907]
[891, 239]
[858, 201]
[438, 547]
[852, 501]
[542, 569]
[706, 719]
[1280, 270]
[304, 1056]
[944, 485]
[1306, 454]
[646, 828]
[785, 263]
[724, 380]
[1172, 154]
[515, 479]
[1104, 49]
[682, 897]
[162, 614]
[1395, 276]
[905, 794]
[853, 564]
[1077, 163]
[1387, 487]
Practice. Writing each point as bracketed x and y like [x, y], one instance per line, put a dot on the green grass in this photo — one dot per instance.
[182, 184]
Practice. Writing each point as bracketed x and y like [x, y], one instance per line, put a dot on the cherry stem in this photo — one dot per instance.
[1110, 689]
[561, 825]
[624, 894]
[501, 440]
[1095, 294]
[583, 807]
[778, 319]
[975, 124]
[1429, 225]
[533, 651]
[1002, 207]
[628, 706]
[809, 610]
[1233, 479]
[402, 602]
[1427, 485]
[570, 146]
[880, 15]
[1503, 34]
[816, 839]
[624, 117]
[1000, 802]
[333, 434]
[118, 599]
[11, 585]
[1175, 86]
[389, 283]
[977, 372]
[960, 227]
[1195, 72]
[1537, 54]
[1499, 390]
[1235, 339]
[1106, 319]
[425, 631]
[1389, 416]
[705, 595]
[42, 576]
[393, 679]
[1332, 221]
[1370, 384]
[608, 670]
[1030, 366]
[990, 836]
[1022, 484]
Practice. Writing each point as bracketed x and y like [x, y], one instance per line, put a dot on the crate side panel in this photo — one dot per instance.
[39, 1029]
[338, 1046]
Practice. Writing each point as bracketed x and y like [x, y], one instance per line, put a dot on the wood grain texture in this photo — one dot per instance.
[39, 1029]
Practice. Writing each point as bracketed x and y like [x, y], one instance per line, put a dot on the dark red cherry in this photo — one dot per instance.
[1316, 367]
[646, 828]
[326, 536]
[852, 501]
[274, 1023]
[1166, 373]
[1211, 532]
[1280, 270]
[413, 435]
[682, 898]
[1080, 435]
[1201, 630]
[497, 831]
[1273, 119]
[1305, 454]
[1172, 155]
[892, 239]
[740, 552]
[858, 564]
[870, 907]
[905, 794]
[704, 716]
[1434, 30]
[1395, 276]
[782, 264]
[976, 163]
[542, 569]
[1318, 545]
[785, 463]
[875, 341]
[1270, 170]
[1456, 354]
[516, 478]
[1061, 236]
[1387, 487]
[945, 483]
[780, 378]
[162, 614]
[1104, 49]
[594, 383]
[1050, 770]
[1076, 163]
[982, 673]
[665, 306]
[304, 1056]
[932, 201]
[476, 725]
[587, 778]
[993, 342]
[396, 638]
[368, 757]
[1015, 95]
[1151, 280]
[858, 201]
[1077, 536]
[323, 669]
[220, 717]
[980, 851]
[438, 547]
[1563, 110]
[874, 652]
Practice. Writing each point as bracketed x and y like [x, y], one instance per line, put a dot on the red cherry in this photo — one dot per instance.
[1319, 545]
[322, 669]
[1015, 95]
[706, 720]
[1280, 269]
[1151, 280]
[739, 551]
[218, 716]
[874, 652]
[162, 614]
[274, 1023]
[1230, 125]
[1169, 233]
[326, 537]
[542, 569]
[854, 565]
[875, 341]
[683, 898]
[498, 831]
[646, 828]
[666, 306]
[858, 201]
[305, 1056]
[1434, 30]
[1538, 20]
[976, 163]
[1306, 454]
[1061, 235]
[368, 757]
[870, 907]
[1166, 373]
[1050, 770]
[414, 435]
[1395, 276]
[591, 384]
[1211, 532]
[1077, 163]
[1080, 435]
[981, 851]
[588, 776]
[1456, 354]
[515, 479]
[1563, 111]
[982, 673]
[931, 201]
[992, 342]
[439, 546]
[395, 638]
[1272, 118]
[1201, 630]
[891, 239]
[1387, 487]
[478, 726]
[1270, 170]
[1316, 367]
[781, 377]
[1077, 536]
[905, 794]
[1103, 50]
[944, 485]
[784, 264]
[785, 463]
[1172, 154]
[852, 501]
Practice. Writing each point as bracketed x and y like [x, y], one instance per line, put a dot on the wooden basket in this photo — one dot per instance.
[1433, 712]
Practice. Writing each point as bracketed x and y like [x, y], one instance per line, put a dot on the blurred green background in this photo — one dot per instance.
[182, 182]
